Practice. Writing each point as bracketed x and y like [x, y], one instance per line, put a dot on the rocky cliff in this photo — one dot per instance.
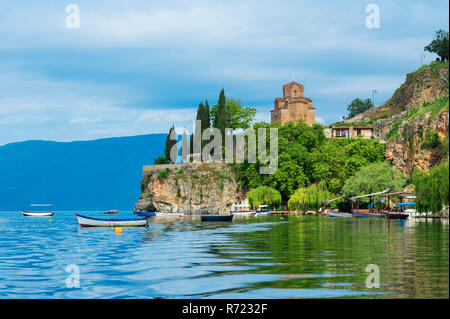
[414, 121]
[189, 188]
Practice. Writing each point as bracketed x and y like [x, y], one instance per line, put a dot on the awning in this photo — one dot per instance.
[405, 204]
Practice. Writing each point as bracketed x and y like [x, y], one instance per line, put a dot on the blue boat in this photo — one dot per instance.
[216, 218]
[146, 214]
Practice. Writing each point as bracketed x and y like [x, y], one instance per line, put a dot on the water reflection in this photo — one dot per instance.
[264, 257]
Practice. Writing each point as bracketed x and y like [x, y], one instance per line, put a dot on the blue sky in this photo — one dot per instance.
[137, 67]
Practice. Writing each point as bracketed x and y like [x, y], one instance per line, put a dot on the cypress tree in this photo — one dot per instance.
[169, 143]
[207, 117]
[184, 147]
[221, 115]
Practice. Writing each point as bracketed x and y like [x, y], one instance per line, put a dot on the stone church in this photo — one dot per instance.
[293, 106]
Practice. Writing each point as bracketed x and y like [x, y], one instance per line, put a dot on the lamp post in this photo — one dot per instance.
[373, 96]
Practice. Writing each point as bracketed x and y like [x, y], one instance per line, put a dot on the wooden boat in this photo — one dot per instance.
[396, 215]
[216, 218]
[111, 211]
[160, 214]
[366, 214]
[239, 210]
[337, 214]
[38, 213]
[86, 221]
[145, 214]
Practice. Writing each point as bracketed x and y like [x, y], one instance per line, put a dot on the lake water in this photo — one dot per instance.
[258, 257]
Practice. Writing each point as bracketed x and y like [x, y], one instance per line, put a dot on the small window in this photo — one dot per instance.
[295, 92]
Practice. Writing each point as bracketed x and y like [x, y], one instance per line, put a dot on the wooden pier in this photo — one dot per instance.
[282, 213]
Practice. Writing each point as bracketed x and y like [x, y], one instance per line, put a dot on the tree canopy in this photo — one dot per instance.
[374, 178]
[306, 157]
[432, 188]
[263, 195]
[170, 143]
[439, 45]
[236, 115]
[358, 106]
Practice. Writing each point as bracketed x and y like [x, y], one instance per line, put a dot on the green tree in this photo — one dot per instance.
[170, 143]
[298, 200]
[432, 188]
[161, 160]
[439, 45]
[306, 157]
[236, 115]
[374, 178]
[185, 151]
[263, 195]
[358, 106]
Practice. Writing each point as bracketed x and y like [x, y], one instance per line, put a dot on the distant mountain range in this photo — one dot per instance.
[85, 175]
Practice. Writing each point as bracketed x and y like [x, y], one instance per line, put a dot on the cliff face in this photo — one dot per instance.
[189, 188]
[423, 85]
[410, 147]
[415, 112]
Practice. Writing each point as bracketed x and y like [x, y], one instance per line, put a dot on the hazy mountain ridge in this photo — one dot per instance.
[81, 175]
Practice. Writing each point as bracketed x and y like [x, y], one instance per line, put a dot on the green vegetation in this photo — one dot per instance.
[436, 107]
[161, 160]
[264, 195]
[236, 115]
[352, 123]
[374, 178]
[432, 140]
[170, 143]
[312, 197]
[440, 44]
[163, 174]
[147, 196]
[358, 106]
[306, 157]
[432, 188]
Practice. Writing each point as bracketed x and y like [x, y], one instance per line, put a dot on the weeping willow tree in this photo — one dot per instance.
[298, 200]
[312, 197]
[264, 195]
[432, 188]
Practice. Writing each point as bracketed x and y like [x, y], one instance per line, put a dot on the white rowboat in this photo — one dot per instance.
[36, 214]
[86, 221]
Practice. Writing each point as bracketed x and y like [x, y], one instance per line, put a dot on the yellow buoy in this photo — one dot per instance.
[118, 230]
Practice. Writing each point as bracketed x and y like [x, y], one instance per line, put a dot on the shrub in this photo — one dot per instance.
[164, 173]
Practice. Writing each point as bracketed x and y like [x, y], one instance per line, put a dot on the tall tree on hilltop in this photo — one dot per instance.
[170, 143]
[207, 117]
[236, 115]
[184, 147]
[439, 45]
[221, 115]
[358, 106]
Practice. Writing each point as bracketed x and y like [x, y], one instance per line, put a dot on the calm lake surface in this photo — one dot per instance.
[257, 257]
